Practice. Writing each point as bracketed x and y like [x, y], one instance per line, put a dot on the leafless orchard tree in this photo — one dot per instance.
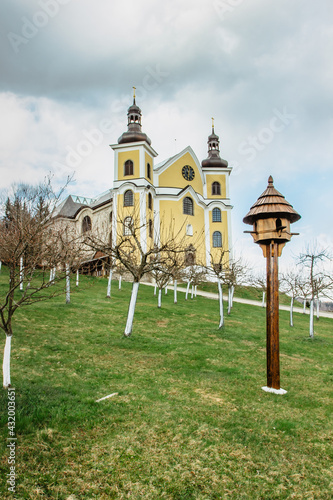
[292, 283]
[234, 275]
[320, 282]
[138, 250]
[218, 265]
[194, 275]
[32, 243]
[259, 281]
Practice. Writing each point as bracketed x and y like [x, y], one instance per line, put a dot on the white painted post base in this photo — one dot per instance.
[274, 391]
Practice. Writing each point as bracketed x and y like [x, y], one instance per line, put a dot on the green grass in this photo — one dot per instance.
[190, 420]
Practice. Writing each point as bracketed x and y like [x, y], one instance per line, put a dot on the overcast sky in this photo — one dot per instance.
[262, 69]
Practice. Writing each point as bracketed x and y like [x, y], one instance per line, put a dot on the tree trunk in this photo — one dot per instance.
[77, 278]
[68, 285]
[318, 308]
[221, 303]
[187, 290]
[159, 299]
[291, 311]
[166, 289]
[119, 282]
[229, 300]
[263, 299]
[155, 289]
[304, 305]
[192, 291]
[108, 290]
[175, 292]
[6, 362]
[311, 318]
[195, 290]
[0, 265]
[131, 309]
[21, 274]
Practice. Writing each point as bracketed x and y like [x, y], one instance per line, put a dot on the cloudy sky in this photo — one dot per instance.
[262, 69]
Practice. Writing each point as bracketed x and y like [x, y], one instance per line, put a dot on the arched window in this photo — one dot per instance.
[148, 171]
[128, 198]
[188, 206]
[216, 215]
[150, 227]
[86, 224]
[217, 239]
[128, 223]
[150, 201]
[128, 167]
[216, 188]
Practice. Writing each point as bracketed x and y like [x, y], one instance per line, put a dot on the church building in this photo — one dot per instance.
[181, 192]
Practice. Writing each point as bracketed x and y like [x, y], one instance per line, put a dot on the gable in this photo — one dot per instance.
[171, 174]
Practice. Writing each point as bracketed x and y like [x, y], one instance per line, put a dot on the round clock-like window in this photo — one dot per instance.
[188, 173]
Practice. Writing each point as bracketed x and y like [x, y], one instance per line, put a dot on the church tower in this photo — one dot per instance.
[216, 173]
[133, 186]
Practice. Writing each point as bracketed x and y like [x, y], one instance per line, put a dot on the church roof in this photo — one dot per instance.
[68, 208]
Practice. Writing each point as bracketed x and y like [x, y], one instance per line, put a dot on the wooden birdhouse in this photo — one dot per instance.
[271, 216]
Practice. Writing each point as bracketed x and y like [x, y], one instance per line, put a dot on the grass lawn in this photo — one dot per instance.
[190, 420]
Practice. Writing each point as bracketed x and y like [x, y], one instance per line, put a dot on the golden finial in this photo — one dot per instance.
[213, 123]
[134, 89]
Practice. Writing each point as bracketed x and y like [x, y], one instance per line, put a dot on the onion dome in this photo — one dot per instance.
[271, 204]
[134, 128]
[214, 160]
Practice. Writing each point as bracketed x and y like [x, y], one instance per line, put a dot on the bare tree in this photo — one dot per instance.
[319, 281]
[233, 276]
[292, 283]
[218, 265]
[138, 250]
[32, 243]
[259, 282]
[195, 275]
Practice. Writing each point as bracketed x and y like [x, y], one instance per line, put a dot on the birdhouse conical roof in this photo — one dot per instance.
[271, 203]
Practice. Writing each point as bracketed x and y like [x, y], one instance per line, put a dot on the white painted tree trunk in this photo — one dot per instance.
[119, 282]
[6, 362]
[68, 285]
[21, 274]
[195, 290]
[192, 292]
[317, 308]
[0, 265]
[311, 318]
[155, 289]
[175, 292]
[159, 301]
[229, 300]
[131, 309]
[108, 290]
[166, 289]
[304, 305]
[232, 295]
[221, 303]
[77, 277]
[291, 311]
[187, 290]
[263, 299]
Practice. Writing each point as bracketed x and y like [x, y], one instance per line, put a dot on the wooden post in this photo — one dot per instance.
[272, 317]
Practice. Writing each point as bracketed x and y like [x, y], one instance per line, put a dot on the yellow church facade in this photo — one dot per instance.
[180, 192]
